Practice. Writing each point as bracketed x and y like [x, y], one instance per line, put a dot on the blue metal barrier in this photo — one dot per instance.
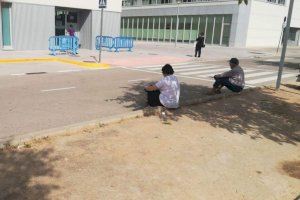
[63, 44]
[106, 41]
[123, 43]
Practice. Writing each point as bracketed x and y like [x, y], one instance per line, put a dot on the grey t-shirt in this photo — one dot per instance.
[236, 76]
[169, 91]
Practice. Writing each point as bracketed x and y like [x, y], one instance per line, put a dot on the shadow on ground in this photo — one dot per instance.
[256, 113]
[20, 169]
[287, 64]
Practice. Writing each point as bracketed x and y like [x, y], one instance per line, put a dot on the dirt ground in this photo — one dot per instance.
[240, 148]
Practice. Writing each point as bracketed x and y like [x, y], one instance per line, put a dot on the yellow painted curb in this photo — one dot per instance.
[63, 60]
[84, 64]
[20, 60]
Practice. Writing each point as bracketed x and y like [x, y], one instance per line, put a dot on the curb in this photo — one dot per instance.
[20, 140]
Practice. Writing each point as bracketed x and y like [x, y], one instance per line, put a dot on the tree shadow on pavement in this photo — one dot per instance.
[20, 170]
[256, 113]
[287, 64]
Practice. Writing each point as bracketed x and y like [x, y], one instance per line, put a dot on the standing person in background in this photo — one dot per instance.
[199, 45]
[71, 30]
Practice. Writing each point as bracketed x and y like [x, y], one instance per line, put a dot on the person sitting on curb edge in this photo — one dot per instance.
[234, 79]
[166, 92]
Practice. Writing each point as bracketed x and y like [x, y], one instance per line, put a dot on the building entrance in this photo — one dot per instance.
[79, 20]
[64, 18]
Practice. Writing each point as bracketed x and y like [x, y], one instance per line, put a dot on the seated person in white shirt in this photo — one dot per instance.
[166, 92]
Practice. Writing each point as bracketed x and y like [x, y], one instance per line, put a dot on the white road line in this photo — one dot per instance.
[272, 78]
[72, 70]
[18, 74]
[211, 80]
[259, 74]
[58, 89]
[136, 80]
[179, 67]
[203, 71]
[149, 66]
[141, 70]
[212, 74]
[199, 68]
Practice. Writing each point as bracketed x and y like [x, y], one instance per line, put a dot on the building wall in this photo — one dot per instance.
[85, 23]
[0, 27]
[32, 25]
[296, 14]
[240, 15]
[240, 25]
[265, 24]
[112, 5]
[111, 23]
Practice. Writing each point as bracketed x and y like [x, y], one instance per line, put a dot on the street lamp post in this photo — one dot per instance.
[177, 23]
[285, 40]
[101, 33]
[102, 5]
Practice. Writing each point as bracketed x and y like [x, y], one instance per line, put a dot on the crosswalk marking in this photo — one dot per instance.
[197, 68]
[267, 79]
[212, 74]
[204, 71]
[152, 66]
[257, 74]
[179, 67]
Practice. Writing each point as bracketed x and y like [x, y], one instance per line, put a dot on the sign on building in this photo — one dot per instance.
[102, 3]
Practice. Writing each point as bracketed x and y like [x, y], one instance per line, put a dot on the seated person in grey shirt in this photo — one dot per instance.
[234, 79]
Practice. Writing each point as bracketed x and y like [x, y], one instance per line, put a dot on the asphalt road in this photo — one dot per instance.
[39, 96]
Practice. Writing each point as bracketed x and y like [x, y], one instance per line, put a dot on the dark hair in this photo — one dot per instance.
[202, 34]
[234, 61]
[167, 69]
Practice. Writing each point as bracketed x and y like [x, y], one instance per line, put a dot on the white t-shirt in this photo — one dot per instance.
[169, 91]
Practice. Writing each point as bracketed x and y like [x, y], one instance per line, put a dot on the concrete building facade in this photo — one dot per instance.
[28, 24]
[223, 22]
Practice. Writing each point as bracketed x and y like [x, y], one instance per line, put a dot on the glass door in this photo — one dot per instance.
[6, 25]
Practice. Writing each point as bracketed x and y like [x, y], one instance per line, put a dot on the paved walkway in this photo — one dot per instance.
[152, 53]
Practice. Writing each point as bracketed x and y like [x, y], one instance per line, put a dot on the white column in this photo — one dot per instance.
[192, 19]
[183, 33]
[158, 33]
[213, 32]
[147, 28]
[165, 29]
[143, 20]
[222, 30]
[137, 28]
[205, 28]
[171, 29]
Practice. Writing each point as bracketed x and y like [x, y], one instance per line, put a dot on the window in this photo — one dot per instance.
[282, 2]
[165, 1]
[6, 24]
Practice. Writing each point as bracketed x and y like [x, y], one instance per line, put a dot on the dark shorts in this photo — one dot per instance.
[153, 98]
[220, 82]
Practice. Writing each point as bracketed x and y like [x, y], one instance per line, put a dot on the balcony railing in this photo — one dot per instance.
[138, 3]
[134, 3]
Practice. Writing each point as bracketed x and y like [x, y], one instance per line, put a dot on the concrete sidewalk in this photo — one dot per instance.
[152, 53]
[211, 151]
